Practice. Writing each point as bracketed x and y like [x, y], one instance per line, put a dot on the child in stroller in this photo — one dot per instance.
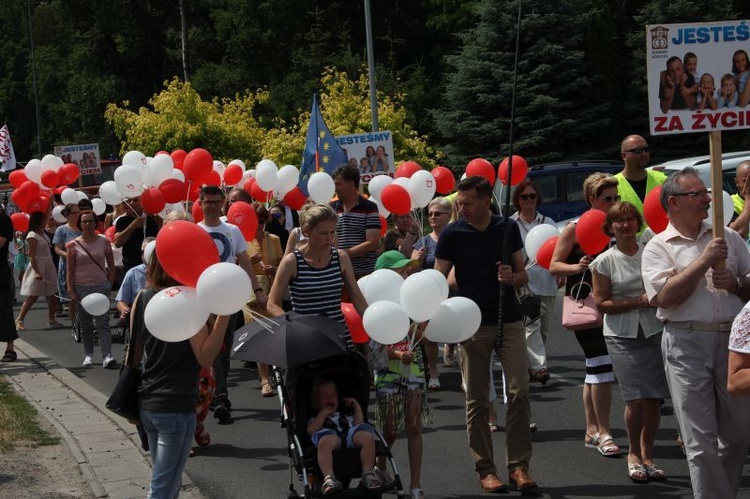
[333, 427]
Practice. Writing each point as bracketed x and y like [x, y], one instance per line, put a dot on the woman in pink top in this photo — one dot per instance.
[91, 269]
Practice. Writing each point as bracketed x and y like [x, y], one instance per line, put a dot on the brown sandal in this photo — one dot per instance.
[10, 356]
[266, 390]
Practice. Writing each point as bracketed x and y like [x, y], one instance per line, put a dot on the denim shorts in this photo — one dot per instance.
[349, 444]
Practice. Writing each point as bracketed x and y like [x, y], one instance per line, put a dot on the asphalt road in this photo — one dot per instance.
[248, 458]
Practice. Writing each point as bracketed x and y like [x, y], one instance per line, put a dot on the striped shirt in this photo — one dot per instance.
[352, 228]
[317, 291]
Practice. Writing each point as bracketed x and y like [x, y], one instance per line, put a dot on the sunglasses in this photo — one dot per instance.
[611, 199]
[526, 197]
[435, 213]
[638, 150]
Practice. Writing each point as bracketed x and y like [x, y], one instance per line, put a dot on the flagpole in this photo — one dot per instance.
[371, 67]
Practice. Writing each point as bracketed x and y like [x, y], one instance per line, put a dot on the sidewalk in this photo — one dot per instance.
[106, 447]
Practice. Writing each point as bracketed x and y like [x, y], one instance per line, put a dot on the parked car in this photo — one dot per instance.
[729, 162]
[561, 185]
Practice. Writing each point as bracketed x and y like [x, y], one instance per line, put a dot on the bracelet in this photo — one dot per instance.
[258, 290]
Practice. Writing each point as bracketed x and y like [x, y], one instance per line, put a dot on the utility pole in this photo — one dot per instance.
[371, 67]
[183, 36]
[33, 76]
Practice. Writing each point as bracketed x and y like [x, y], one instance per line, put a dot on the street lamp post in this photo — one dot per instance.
[33, 76]
[371, 67]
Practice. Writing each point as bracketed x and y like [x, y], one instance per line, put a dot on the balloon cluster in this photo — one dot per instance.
[411, 188]
[396, 305]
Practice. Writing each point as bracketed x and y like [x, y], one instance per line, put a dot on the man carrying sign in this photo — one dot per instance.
[699, 283]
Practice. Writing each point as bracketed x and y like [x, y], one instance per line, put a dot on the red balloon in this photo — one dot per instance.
[396, 199]
[354, 323]
[39, 203]
[243, 216]
[28, 190]
[68, 174]
[173, 189]
[110, 233]
[259, 194]
[197, 212]
[544, 255]
[153, 201]
[444, 180]
[20, 221]
[590, 232]
[194, 193]
[520, 170]
[295, 199]
[185, 251]
[178, 158]
[248, 185]
[383, 225]
[480, 167]
[407, 169]
[653, 212]
[233, 174]
[50, 178]
[213, 178]
[198, 165]
[16, 178]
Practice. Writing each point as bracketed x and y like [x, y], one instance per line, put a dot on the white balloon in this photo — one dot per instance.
[422, 188]
[57, 214]
[728, 209]
[383, 284]
[148, 251]
[95, 304]
[377, 184]
[178, 175]
[109, 193]
[219, 168]
[420, 297]
[33, 171]
[170, 207]
[69, 196]
[159, 170]
[403, 182]
[267, 175]
[81, 195]
[99, 206]
[288, 178]
[320, 187]
[224, 288]
[51, 162]
[386, 322]
[135, 158]
[440, 279]
[382, 211]
[238, 162]
[129, 180]
[457, 320]
[536, 237]
[362, 283]
[175, 314]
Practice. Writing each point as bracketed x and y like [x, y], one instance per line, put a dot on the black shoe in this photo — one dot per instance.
[222, 412]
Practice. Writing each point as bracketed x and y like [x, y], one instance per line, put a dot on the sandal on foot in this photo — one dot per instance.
[416, 494]
[591, 441]
[607, 446]
[433, 385]
[654, 472]
[266, 390]
[19, 325]
[54, 324]
[330, 485]
[10, 356]
[494, 428]
[637, 473]
[370, 480]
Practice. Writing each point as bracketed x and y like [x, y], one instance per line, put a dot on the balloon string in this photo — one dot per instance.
[531, 264]
[264, 321]
[412, 334]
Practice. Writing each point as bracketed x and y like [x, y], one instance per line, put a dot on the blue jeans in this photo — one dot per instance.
[169, 437]
[87, 320]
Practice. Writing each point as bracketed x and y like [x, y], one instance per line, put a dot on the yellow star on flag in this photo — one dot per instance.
[321, 134]
[325, 159]
[326, 146]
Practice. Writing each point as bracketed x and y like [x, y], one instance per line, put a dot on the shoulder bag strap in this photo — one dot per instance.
[92, 258]
[135, 347]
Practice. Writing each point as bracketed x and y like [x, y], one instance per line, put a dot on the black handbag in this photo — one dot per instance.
[530, 304]
[124, 398]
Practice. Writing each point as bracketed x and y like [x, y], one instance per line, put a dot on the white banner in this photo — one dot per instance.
[698, 77]
[7, 155]
[371, 152]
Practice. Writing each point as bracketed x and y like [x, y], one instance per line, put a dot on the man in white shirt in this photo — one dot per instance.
[699, 283]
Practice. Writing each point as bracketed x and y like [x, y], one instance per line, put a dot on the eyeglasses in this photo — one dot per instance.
[638, 150]
[693, 194]
[212, 202]
[436, 213]
[610, 199]
[87, 222]
[526, 197]
[623, 221]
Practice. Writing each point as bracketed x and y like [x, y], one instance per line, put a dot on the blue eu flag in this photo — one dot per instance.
[322, 152]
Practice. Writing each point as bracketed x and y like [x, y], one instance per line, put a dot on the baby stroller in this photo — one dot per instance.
[350, 373]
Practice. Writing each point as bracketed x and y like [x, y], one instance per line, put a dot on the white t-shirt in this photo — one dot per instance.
[228, 239]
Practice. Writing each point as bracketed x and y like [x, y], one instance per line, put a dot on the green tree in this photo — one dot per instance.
[556, 115]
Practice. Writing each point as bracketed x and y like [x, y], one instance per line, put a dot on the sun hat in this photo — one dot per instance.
[393, 259]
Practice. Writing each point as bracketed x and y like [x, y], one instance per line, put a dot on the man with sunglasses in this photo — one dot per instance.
[635, 181]
[699, 284]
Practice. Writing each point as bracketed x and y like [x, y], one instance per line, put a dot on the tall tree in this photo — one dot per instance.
[555, 112]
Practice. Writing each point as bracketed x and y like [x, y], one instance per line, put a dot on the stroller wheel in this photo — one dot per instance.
[76, 329]
[291, 494]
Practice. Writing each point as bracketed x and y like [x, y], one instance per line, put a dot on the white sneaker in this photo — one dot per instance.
[88, 361]
[109, 361]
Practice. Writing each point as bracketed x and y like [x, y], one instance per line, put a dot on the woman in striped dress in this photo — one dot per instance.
[316, 272]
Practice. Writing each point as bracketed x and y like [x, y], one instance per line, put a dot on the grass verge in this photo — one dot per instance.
[19, 421]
